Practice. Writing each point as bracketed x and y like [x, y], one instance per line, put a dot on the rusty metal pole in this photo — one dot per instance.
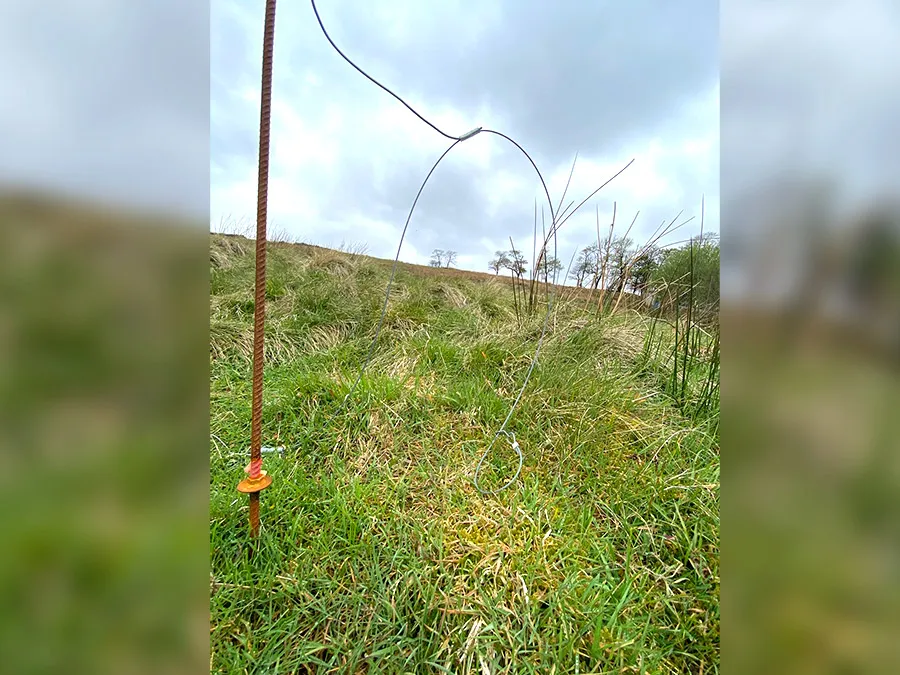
[257, 479]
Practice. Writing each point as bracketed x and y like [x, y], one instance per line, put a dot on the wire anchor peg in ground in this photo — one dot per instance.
[257, 478]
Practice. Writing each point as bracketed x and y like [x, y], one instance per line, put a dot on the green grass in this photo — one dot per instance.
[378, 555]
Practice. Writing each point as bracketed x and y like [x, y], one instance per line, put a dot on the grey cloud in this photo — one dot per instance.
[809, 88]
[564, 76]
[453, 211]
[810, 112]
[109, 99]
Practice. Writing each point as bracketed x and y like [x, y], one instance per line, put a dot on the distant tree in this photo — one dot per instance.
[516, 263]
[677, 267]
[578, 272]
[598, 259]
[442, 258]
[549, 266]
[500, 262]
[617, 267]
[586, 265]
[642, 268]
[449, 258]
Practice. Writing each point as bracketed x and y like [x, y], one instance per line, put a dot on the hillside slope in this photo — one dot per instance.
[377, 552]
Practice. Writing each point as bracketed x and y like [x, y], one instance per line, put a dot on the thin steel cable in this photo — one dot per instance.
[384, 306]
[551, 300]
[259, 307]
[373, 80]
[554, 226]
[387, 293]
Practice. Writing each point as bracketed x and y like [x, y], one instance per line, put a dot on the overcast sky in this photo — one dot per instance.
[147, 102]
[810, 98]
[810, 87]
[107, 99]
[610, 81]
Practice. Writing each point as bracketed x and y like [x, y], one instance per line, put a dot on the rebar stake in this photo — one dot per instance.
[257, 479]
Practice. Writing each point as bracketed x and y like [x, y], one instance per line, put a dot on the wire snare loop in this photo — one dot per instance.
[515, 446]
[554, 227]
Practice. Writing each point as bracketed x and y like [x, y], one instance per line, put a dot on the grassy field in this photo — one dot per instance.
[378, 555]
[103, 397]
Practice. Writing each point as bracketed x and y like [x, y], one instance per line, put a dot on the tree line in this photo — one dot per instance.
[441, 258]
[618, 265]
[515, 262]
[663, 274]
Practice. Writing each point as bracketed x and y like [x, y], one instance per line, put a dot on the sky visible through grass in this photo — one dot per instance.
[378, 555]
